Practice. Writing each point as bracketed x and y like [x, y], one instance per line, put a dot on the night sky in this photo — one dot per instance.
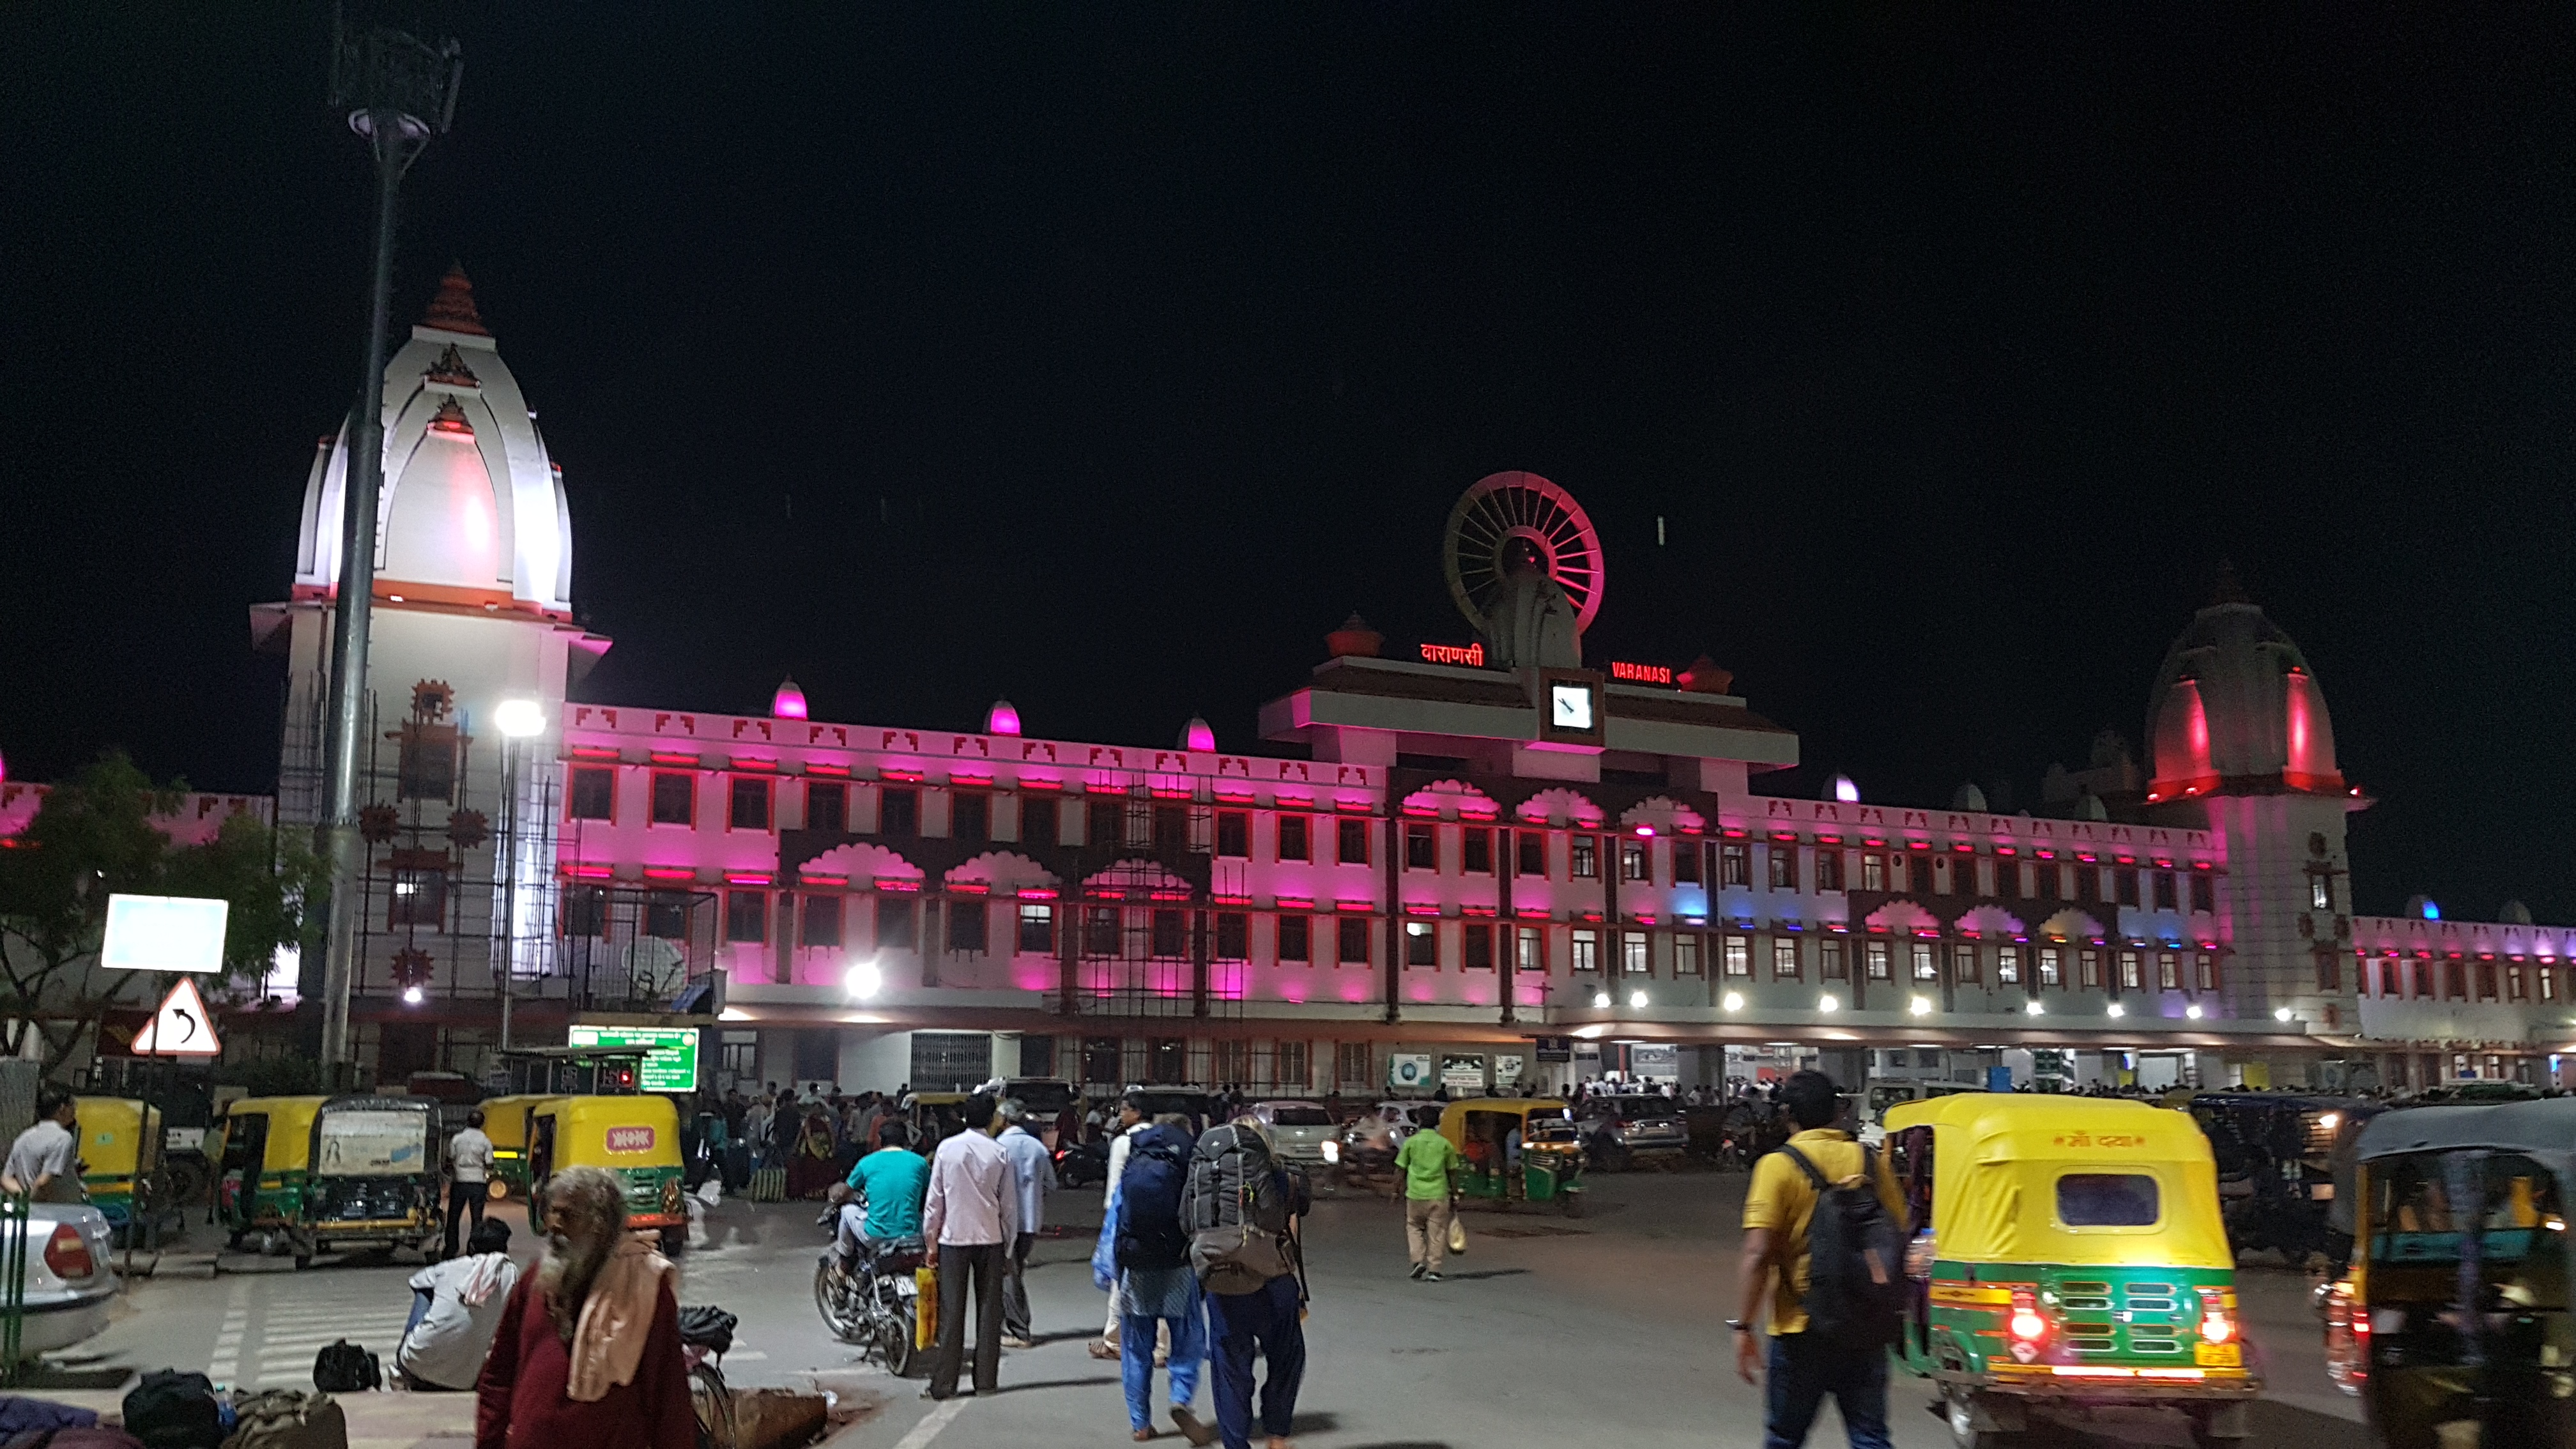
[1105, 357]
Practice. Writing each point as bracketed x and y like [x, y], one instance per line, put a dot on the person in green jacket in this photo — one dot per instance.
[1428, 1162]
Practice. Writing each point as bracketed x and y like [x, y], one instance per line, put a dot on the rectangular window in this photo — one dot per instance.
[1295, 940]
[2424, 983]
[1421, 944]
[2321, 892]
[1292, 838]
[419, 898]
[1963, 965]
[1354, 943]
[594, 792]
[1477, 854]
[1829, 870]
[1351, 1063]
[1476, 953]
[1234, 834]
[1039, 821]
[747, 916]
[1686, 862]
[748, 805]
[1633, 957]
[1784, 958]
[1232, 1062]
[2044, 875]
[2048, 966]
[827, 806]
[2549, 983]
[1686, 955]
[1633, 861]
[1985, 873]
[896, 928]
[2125, 881]
[2107, 1200]
[1291, 1071]
[1533, 849]
[425, 769]
[1171, 830]
[1037, 929]
[1421, 848]
[675, 797]
[1587, 857]
[1926, 968]
[2129, 967]
[1873, 873]
[970, 815]
[2168, 972]
[2455, 980]
[1875, 959]
[585, 911]
[1100, 931]
[1941, 875]
[898, 811]
[2204, 893]
[1833, 961]
[1352, 842]
[1233, 936]
[666, 915]
[969, 927]
[1171, 934]
[1735, 864]
[2392, 982]
[1105, 823]
[1533, 951]
[1784, 867]
[2486, 981]
[1586, 952]
[822, 920]
[2088, 967]
[2167, 897]
[1736, 955]
[2008, 879]
[2008, 966]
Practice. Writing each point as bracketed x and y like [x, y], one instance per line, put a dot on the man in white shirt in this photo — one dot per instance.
[469, 1169]
[460, 1307]
[1033, 1177]
[969, 1220]
[45, 1160]
[1131, 1120]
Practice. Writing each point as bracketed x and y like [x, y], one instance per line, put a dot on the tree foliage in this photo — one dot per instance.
[94, 837]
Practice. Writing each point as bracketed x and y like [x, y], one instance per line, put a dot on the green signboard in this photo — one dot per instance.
[671, 1066]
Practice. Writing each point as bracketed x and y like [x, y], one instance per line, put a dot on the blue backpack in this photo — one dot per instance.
[1149, 1202]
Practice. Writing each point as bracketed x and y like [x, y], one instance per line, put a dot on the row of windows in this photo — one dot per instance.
[2397, 979]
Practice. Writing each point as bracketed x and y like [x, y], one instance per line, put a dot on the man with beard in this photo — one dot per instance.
[588, 1350]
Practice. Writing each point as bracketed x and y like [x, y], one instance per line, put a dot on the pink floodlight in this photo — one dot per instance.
[788, 702]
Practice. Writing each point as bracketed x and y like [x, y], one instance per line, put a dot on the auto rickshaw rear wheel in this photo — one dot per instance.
[673, 1240]
[1570, 1200]
[2217, 1426]
[1963, 1413]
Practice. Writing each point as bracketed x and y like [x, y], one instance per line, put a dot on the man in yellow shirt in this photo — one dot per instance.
[1777, 1209]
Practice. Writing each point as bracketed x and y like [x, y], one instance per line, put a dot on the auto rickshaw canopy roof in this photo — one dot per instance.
[584, 1127]
[290, 1128]
[1453, 1117]
[1998, 1159]
[505, 1119]
[2546, 1127]
[119, 1136]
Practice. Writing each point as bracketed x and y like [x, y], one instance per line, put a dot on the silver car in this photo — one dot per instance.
[1301, 1132]
[71, 1278]
[1637, 1127]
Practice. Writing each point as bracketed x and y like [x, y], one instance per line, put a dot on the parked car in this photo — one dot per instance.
[1620, 1130]
[71, 1279]
[1301, 1132]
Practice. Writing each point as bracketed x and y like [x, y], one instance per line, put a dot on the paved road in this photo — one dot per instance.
[1558, 1331]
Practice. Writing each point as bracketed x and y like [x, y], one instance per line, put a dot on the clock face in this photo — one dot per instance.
[1570, 706]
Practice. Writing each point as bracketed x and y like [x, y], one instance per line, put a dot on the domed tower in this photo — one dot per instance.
[473, 593]
[2239, 741]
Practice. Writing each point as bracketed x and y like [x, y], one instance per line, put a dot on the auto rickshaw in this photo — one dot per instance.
[636, 1138]
[262, 1146]
[505, 1121]
[120, 1157]
[1548, 1156]
[935, 1116]
[2067, 1252]
[2457, 1327]
[303, 1173]
[2276, 1179]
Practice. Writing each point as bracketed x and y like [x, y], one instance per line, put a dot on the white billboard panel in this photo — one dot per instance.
[164, 933]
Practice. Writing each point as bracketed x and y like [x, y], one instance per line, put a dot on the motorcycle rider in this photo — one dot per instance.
[890, 1184]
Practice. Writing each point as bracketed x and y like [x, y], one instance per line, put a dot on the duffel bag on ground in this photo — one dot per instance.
[174, 1410]
[343, 1367]
[287, 1419]
[769, 1184]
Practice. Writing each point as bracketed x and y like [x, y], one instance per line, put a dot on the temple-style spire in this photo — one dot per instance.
[452, 310]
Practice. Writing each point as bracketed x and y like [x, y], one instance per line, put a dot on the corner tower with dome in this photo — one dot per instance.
[2240, 744]
[473, 588]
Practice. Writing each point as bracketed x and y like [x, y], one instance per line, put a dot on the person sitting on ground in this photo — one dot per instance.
[457, 1308]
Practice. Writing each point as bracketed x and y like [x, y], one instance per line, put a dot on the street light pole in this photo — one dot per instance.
[400, 92]
[520, 721]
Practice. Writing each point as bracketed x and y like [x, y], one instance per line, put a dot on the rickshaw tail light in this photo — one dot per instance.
[66, 1255]
[2215, 1325]
[2027, 1325]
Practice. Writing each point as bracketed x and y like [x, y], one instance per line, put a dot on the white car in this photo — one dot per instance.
[71, 1279]
[1302, 1132]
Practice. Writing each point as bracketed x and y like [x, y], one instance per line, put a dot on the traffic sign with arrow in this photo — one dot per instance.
[181, 1028]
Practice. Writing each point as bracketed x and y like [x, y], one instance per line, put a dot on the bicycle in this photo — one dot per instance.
[706, 1335]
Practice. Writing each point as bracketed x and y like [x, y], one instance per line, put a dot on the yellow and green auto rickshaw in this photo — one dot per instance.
[2457, 1328]
[120, 1155]
[2067, 1252]
[636, 1138]
[1517, 1149]
[298, 1174]
[261, 1148]
[505, 1121]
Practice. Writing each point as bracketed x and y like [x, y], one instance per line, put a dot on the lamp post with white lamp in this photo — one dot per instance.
[519, 721]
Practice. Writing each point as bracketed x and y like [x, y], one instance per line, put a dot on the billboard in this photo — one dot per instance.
[1409, 1071]
[672, 1064]
[164, 933]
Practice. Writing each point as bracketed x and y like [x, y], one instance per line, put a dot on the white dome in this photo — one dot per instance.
[2236, 708]
[473, 510]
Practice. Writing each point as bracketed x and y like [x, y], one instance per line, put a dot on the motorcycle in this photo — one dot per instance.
[1368, 1165]
[1081, 1164]
[874, 1304]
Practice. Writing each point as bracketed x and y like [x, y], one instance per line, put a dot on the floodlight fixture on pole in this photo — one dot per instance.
[398, 92]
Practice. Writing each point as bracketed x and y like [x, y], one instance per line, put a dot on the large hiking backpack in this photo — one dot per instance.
[1149, 1204]
[1238, 1205]
[174, 1410]
[1856, 1287]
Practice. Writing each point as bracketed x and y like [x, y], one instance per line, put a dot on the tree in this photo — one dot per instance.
[94, 837]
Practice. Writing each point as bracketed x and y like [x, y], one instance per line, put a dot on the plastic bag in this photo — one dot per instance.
[1104, 1255]
[925, 1308]
[1457, 1236]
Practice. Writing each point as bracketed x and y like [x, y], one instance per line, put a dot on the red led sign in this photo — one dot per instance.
[1642, 673]
[1471, 654]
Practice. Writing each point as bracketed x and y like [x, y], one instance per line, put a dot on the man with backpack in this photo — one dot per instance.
[1824, 1233]
[1241, 1206]
[1156, 1288]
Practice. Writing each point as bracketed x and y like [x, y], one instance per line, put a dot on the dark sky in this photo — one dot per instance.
[1104, 357]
